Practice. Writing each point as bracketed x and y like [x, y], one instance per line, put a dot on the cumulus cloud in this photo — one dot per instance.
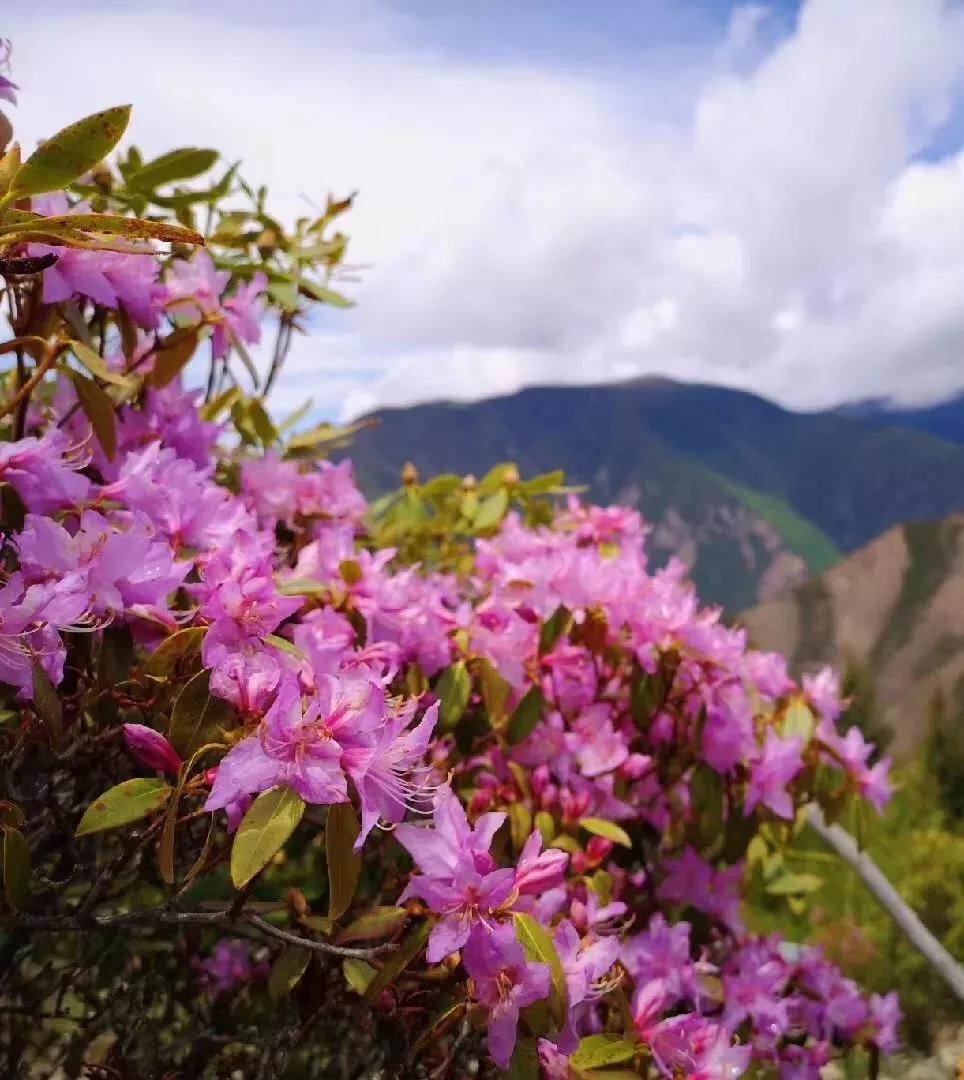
[775, 211]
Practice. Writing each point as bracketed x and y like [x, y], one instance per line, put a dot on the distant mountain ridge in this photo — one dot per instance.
[754, 497]
[944, 420]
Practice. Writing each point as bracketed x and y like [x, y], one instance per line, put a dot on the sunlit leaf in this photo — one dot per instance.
[127, 802]
[358, 974]
[184, 163]
[96, 365]
[381, 922]
[269, 822]
[174, 650]
[453, 689]
[287, 971]
[597, 1051]
[608, 830]
[71, 152]
[539, 948]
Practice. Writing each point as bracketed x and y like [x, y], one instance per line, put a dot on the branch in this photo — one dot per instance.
[167, 917]
[317, 946]
[23, 394]
[889, 899]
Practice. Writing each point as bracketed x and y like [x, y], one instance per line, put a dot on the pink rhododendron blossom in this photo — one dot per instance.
[505, 982]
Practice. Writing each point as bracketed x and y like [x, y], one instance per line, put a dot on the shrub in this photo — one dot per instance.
[297, 786]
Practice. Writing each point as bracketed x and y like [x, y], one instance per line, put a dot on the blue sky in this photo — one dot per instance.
[767, 195]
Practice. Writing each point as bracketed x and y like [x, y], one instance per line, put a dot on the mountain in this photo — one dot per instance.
[754, 497]
[894, 608]
[944, 420]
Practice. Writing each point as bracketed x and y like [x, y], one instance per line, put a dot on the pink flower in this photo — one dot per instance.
[776, 765]
[505, 982]
[536, 870]
[151, 748]
[459, 879]
[383, 772]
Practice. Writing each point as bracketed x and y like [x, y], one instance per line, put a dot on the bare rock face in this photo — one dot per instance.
[895, 607]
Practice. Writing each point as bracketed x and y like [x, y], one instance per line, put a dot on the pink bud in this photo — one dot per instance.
[151, 748]
[598, 848]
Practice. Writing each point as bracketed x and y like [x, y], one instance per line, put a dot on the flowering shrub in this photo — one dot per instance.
[297, 786]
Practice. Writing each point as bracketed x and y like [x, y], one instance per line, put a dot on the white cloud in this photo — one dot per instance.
[757, 217]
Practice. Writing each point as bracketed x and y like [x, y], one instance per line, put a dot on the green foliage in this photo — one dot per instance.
[435, 523]
[922, 854]
[944, 751]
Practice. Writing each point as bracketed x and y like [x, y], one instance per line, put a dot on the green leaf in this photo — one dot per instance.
[324, 294]
[285, 646]
[96, 366]
[608, 830]
[9, 165]
[182, 164]
[358, 974]
[127, 802]
[174, 650]
[707, 792]
[99, 410]
[173, 354]
[47, 702]
[491, 511]
[544, 484]
[539, 948]
[524, 1064]
[378, 923]
[799, 720]
[286, 972]
[526, 716]
[794, 884]
[344, 864]
[71, 152]
[397, 962]
[262, 423]
[270, 820]
[595, 1051]
[558, 623]
[214, 408]
[520, 824]
[495, 691]
[131, 228]
[302, 587]
[16, 867]
[453, 689]
[198, 717]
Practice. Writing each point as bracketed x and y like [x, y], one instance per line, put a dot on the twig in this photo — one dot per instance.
[316, 946]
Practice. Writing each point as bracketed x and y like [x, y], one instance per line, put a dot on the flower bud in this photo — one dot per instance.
[151, 748]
